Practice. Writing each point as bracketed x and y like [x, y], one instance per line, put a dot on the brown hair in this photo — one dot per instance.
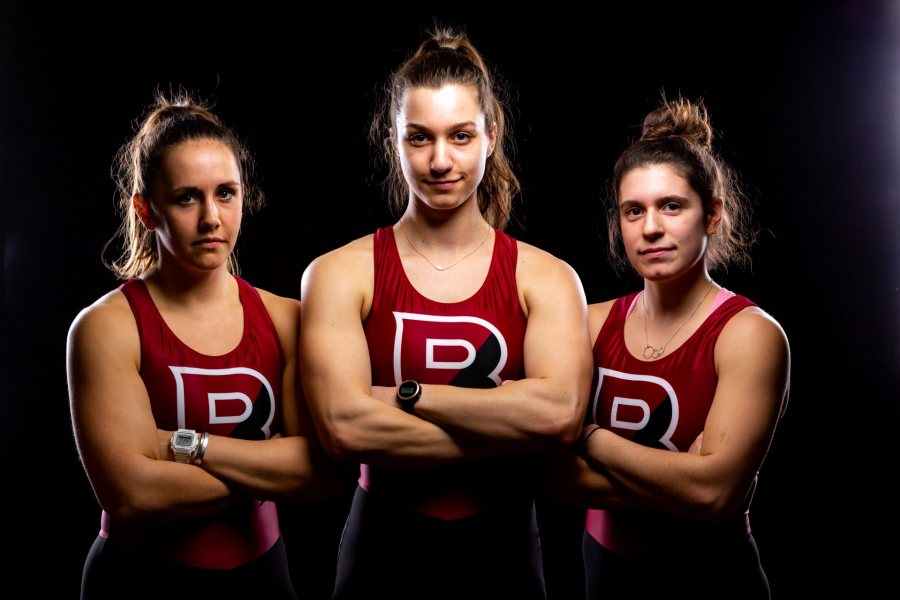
[448, 57]
[679, 133]
[169, 121]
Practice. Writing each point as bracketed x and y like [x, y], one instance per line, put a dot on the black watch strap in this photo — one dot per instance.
[408, 393]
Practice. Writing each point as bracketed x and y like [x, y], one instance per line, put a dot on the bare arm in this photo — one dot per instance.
[115, 429]
[753, 364]
[566, 478]
[546, 407]
[288, 467]
[336, 373]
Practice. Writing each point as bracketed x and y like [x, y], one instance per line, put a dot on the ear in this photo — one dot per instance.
[144, 211]
[492, 139]
[715, 216]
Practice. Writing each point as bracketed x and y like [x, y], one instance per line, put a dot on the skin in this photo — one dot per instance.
[195, 212]
[442, 143]
[665, 232]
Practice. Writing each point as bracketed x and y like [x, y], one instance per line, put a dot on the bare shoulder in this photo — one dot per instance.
[107, 324]
[285, 314]
[754, 322]
[347, 264]
[753, 336]
[597, 314]
[534, 262]
[109, 311]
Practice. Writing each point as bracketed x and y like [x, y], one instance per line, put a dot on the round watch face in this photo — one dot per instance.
[409, 390]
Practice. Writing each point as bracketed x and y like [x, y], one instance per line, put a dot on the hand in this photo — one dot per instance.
[388, 395]
[698, 443]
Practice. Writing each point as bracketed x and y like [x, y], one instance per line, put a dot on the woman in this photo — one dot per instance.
[183, 388]
[438, 310]
[690, 380]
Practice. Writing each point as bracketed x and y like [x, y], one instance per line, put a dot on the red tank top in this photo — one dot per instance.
[661, 404]
[237, 394]
[476, 342]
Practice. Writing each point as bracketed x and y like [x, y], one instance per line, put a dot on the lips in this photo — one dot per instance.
[444, 184]
[209, 242]
[655, 252]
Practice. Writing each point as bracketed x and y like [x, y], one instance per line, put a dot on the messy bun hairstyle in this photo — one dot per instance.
[678, 133]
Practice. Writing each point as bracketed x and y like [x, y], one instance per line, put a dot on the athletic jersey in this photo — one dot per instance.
[237, 394]
[475, 342]
[660, 404]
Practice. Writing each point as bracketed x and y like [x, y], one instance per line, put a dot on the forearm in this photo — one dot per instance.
[162, 491]
[524, 415]
[566, 478]
[386, 436]
[686, 484]
[283, 468]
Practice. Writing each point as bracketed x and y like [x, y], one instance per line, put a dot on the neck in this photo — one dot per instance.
[675, 297]
[189, 288]
[460, 228]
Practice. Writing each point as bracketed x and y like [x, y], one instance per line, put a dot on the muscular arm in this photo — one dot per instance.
[336, 373]
[546, 407]
[566, 478]
[288, 467]
[753, 362]
[115, 429]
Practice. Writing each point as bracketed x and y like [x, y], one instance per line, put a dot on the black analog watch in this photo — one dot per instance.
[408, 393]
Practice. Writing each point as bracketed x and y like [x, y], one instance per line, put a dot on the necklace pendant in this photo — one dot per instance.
[439, 268]
[650, 352]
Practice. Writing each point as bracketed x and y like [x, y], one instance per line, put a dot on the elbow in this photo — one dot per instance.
[718, 503]
[136, 506]
[341, 441]
[561, 427]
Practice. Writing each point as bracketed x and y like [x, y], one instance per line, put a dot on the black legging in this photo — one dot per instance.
[725, 569]
[392, 552]
[111, 571]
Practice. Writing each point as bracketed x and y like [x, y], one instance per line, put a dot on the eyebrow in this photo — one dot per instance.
[660, 200]
[194, 188]
[454, 126]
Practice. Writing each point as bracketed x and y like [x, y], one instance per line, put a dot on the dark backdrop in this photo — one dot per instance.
[806, 100]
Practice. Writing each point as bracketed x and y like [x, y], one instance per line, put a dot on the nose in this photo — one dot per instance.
[652, 225]
[209, 215]
[441, 161]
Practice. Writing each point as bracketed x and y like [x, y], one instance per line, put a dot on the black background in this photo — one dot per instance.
[806, 98]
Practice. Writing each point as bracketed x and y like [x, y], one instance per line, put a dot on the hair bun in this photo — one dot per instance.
[679, 118]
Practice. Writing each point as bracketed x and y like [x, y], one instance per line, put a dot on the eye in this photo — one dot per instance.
[417, 139]
[671, 207]
[186, 198]
[462, 137]
[226, 194]
[632, 212]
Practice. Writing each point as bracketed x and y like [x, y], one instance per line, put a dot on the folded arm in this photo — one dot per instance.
[753, 362]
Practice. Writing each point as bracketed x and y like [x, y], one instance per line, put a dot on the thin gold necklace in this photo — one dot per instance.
[651, 352]
[448, 267]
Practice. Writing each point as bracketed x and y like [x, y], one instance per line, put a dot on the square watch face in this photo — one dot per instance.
[184, 439]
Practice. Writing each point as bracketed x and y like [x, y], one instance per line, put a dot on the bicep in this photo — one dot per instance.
[285, 314]
[114, 425]
[752, 363]
[335, 366]
[556, 339]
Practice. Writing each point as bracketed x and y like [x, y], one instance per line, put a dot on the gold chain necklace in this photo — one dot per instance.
[448, 267]
[651, 352]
